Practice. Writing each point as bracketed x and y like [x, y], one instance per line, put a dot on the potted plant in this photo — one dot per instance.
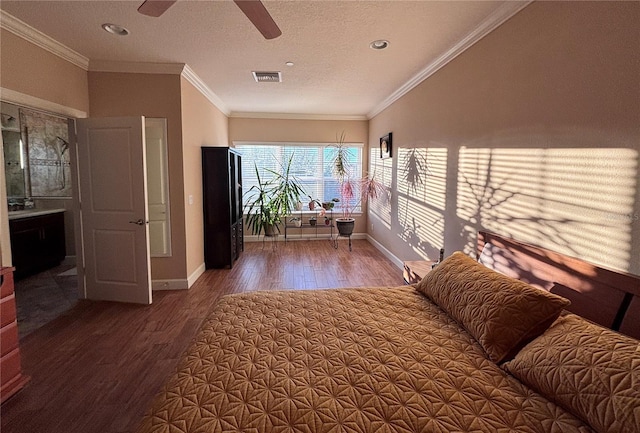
[272, 199]
[329, 205]
[297, 221]
[313, 202]
[286, 189]
[354, 192]
[262, 214]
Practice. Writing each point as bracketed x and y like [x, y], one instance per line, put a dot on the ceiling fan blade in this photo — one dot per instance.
[155, 8]
[259, 16]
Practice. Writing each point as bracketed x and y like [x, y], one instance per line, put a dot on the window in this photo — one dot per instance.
[311, 165]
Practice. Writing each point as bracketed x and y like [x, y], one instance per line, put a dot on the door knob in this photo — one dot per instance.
[140, 222]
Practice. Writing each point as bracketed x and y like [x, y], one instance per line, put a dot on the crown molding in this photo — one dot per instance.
[136, 67]
[197, 82]
[494, 20]
[18, 98]
[36, 37]
[294, 116]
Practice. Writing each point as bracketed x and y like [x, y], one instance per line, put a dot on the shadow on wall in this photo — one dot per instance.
[576, 201]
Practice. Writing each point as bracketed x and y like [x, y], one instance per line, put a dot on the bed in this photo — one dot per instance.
[467, 349]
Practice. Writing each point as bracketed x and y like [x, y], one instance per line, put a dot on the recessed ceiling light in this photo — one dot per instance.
[380, 44]
[289, 63]
[115, 29]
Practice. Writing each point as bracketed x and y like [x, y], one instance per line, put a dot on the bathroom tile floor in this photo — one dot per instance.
[42, 297]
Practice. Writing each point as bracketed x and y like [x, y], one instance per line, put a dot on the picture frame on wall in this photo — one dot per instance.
[385, 146]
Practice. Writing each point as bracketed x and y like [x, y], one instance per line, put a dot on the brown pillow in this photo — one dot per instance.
[501, 313]
[589, 370]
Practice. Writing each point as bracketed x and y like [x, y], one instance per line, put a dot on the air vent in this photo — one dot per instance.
[267, 77]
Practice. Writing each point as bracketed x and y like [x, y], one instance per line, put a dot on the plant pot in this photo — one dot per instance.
[345, 226]
[312, 221]
[271, 230]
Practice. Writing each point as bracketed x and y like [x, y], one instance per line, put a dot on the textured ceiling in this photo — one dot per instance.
[335, 71]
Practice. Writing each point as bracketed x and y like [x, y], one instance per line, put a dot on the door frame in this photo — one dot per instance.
[77, 211]
[28, 101]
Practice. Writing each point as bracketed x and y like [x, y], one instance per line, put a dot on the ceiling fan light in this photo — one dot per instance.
[115, 29]
[380, 44]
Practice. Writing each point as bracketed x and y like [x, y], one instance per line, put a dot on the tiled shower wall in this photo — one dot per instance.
[47, 144]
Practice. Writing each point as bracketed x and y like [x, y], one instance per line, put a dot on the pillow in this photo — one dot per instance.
[589, 370]
[501, 313]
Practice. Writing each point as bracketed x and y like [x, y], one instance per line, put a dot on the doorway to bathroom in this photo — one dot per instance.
[37, 175]
[41, 209]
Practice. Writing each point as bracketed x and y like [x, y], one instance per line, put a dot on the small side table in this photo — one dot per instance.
[414, 271]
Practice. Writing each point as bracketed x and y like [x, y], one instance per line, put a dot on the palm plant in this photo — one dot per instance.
[261, 213]
[286, 188]
[271, 199]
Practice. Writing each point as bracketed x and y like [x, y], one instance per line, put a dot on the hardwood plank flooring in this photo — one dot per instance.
[97, 368]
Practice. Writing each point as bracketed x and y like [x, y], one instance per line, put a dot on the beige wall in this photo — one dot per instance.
[151, 95]
[534, 132]
[311, 131]
[314, 131]
[202, 125]
[31, 70]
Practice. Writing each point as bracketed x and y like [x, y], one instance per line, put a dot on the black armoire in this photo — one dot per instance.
[222, 202]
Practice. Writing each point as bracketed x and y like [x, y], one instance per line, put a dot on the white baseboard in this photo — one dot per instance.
[179, 284]
[196, 274]
[388, 254]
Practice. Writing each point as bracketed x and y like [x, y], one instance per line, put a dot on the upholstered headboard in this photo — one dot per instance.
[609, 298]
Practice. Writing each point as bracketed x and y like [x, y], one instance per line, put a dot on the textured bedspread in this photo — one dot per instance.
[347, 360]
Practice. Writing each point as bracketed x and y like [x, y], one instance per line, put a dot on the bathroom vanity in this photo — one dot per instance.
[37, 240]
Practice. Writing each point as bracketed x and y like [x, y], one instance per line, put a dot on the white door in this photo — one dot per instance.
[113, 205]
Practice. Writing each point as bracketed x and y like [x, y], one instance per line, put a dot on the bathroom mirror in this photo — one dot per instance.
[14, 152]
[14, 164]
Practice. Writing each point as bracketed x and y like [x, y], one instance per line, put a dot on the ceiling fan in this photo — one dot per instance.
[253, 9]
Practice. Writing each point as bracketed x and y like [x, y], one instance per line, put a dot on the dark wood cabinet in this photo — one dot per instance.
[37, 243]
[222, 203]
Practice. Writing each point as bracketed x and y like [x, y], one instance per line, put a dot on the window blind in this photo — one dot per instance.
[311, 166]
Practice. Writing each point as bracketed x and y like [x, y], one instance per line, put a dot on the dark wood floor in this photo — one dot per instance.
[97, 368]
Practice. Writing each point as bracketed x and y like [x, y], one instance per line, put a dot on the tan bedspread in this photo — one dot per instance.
[347, 360]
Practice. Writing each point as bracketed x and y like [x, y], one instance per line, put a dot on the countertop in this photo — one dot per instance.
[19, 214]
